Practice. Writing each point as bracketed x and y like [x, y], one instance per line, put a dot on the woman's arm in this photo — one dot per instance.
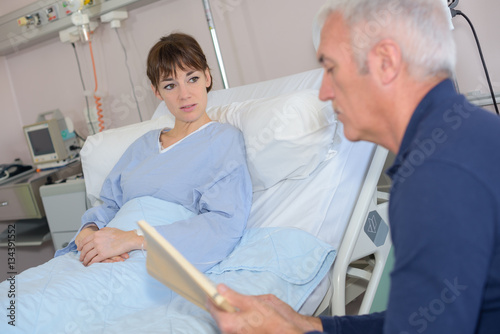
[96, 218]
[209, 237]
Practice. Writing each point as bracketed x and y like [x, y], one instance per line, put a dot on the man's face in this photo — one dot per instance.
[351, 93]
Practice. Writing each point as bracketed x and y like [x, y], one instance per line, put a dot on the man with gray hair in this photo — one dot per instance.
[388, 65]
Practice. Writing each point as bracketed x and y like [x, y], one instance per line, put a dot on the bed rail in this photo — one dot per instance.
[365, 246]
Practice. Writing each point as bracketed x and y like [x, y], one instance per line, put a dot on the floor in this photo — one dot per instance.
[24, 257]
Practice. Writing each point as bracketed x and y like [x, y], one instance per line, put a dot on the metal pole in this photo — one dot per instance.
[211, 26]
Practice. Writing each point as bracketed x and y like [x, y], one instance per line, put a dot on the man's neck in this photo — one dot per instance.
[405, 101]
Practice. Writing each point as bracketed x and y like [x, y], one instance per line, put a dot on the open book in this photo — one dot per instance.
[168, 266]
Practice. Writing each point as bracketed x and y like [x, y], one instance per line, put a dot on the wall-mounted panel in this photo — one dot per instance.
[44, 19]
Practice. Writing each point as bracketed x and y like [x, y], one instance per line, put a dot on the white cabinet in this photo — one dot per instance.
[21, 203]
[20, 200]
[64, 205]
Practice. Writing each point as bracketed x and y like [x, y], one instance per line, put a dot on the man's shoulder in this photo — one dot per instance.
[460, 135]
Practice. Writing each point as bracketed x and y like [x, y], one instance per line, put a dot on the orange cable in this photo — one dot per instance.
[97, 99]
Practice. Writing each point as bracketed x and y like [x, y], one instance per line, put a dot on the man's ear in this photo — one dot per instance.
[157, 94]
[386, 60]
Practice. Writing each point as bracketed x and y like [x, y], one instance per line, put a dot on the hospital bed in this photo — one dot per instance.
[317, 220]
[332, 193]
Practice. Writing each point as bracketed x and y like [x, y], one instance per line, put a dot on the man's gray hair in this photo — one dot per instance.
[420, 27]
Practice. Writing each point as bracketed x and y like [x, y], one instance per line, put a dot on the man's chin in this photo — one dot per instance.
[350, 135]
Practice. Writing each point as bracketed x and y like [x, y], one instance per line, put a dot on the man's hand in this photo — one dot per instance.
[260, 314]
[305, 323]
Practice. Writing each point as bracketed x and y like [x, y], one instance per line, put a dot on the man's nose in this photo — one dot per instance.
[326, 92]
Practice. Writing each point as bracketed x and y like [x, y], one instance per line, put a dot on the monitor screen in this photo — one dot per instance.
[41, 142]
[45, 142]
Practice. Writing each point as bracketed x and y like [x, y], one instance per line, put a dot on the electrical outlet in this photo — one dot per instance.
[31, 20]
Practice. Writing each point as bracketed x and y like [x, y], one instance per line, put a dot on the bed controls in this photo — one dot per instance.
[376, 228]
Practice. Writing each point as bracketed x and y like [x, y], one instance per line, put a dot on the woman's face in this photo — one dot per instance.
[185, 94]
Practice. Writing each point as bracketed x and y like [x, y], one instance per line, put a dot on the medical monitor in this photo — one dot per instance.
[46, 142]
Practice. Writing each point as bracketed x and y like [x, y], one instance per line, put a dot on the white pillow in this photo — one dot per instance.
[286, 137]
[101, 152]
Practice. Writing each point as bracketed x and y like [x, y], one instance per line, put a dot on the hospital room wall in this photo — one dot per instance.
[469, 72]
[260, 40]
[11, 141]
[255, 38]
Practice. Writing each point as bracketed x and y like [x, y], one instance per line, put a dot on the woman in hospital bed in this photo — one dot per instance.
[196, 170]
[190, 181]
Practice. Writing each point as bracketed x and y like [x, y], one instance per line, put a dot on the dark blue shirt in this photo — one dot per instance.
[444, 214]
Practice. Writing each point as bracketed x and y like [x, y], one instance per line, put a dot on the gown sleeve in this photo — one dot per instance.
[112, 197]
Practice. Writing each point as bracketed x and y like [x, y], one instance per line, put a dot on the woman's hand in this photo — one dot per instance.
[114, 259]
[86, 231]
[107, 245]
[260, 314]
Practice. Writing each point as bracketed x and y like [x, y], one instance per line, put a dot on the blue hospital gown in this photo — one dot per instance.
[206, 173]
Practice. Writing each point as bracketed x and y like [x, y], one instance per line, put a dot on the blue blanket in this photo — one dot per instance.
[63, 296]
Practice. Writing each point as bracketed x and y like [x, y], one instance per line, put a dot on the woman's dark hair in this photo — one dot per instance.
[175, 51]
